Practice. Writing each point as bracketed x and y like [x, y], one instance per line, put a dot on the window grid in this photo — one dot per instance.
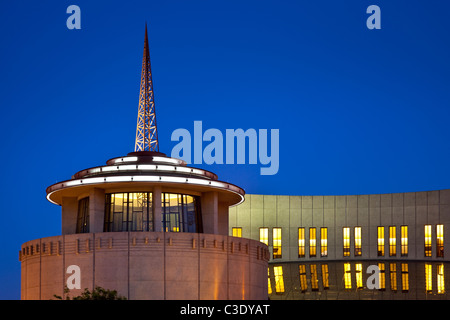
[323, 242]
[276, 243]
[392, 241]
[358, 248]
[380, 241]
[312, 242]
[427, 249]
[440, 240]
[264, 235]
[404, 241]
[301, 242]
[346, 241]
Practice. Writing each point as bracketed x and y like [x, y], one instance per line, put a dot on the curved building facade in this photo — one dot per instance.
[149, 227]
[321, 246]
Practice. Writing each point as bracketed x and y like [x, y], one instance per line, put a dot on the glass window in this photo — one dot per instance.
[405, 277]
[404, 241]
[83, 216]
[279, 282]
[323, 242]
[276, 243]
[359, 277]
[381, 241]
[237, 232]
[440, 279]
[392, 241]
[393, 276]
[427, 241]
[301, 242]
[128, 212]
[312, 242]
[440, 240]
[382, 275]
[358, 250]
[264, 235]
[269, 285]
[314, 278]
[325, 276]
[428, 278]
[347, 276]
[180, 213]
[346, 240]
[303, 281]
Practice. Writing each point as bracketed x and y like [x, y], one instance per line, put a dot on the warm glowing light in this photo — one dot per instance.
[358, 250]
[312, 242]
[276, 243]
[427, 241]
[392, 241]
[346, 241]
[264, 235]
[301, 242]
[440, 240]
[323, 242]
[440, 279]
[279, 282]
[404, 240]
[347, 276]
[381, 241]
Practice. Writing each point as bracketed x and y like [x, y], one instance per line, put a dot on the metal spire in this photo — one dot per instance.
[146, 132]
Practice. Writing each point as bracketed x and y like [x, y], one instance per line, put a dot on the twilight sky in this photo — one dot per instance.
[358, 111]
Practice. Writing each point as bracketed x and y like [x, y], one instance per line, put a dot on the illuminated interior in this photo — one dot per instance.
[301, 242]
[264, 235]
[427, 249]
[380, 241]
[323, 242]
[358, 250]
[392, 241]
[440, 240]
[276, 243]
[404, 241]
[312, 242]
[346, 239]
[279, 282]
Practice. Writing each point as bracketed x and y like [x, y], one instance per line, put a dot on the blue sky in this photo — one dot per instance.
[359, 111]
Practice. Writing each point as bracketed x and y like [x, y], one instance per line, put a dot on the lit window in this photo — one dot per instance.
[302, 273]
[347, 276]
[279, 282]
[440, 279]
[358, 241]
[428, 278]
[346, 236]
[237, 232]
[314, 279]
[323, 242]
[427, 241]
[392, 241]
[180, 213]
[269, 285]
[381, 241]
[404, 241]
[382, 275]
[325, 276]
[133, 212]
[405, 277]
[301, 242]
[393, 276]
[276, 243]
[440, 240]
[359, 277]
[264, 235]
[312, 242]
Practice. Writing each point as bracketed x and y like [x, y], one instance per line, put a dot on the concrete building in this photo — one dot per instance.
[321, 246]
[146, 225]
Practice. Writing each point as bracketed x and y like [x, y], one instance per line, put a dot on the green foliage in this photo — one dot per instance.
[98, 293]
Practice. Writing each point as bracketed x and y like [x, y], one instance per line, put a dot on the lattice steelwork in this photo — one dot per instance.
[146, 132]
